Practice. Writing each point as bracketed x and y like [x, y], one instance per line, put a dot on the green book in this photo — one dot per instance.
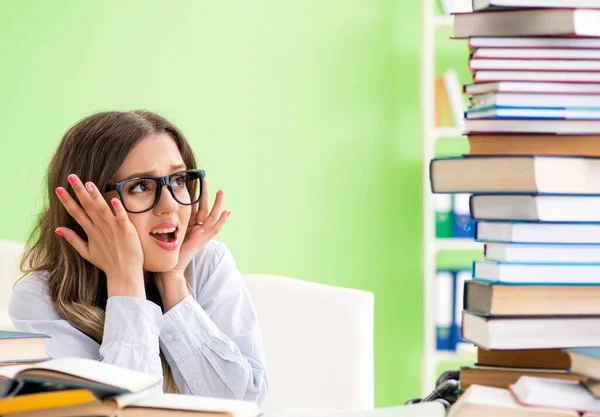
[443, 215]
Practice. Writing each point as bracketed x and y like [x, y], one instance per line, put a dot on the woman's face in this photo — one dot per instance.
[157, 155]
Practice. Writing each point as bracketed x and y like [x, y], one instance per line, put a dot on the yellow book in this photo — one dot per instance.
[45, 400]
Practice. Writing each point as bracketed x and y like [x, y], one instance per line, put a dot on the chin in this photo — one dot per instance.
[160, 262]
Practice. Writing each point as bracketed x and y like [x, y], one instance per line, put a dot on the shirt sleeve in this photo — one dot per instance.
[212, 341]
[131, 329]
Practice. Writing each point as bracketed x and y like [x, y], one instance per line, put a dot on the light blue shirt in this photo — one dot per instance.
[211, 339]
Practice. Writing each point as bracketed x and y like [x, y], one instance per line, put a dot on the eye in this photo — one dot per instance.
[179, 181]
[140, 186]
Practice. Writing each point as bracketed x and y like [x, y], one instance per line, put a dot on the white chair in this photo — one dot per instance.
[10, 258]
[318, 342]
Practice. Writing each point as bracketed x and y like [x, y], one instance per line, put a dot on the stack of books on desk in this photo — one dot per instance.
[533, 173]
[35, 385]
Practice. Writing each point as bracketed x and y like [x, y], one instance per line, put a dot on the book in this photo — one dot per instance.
[524, 358]
[515, 174]
[443, 109]
[489, 298]
[536, 76]
[162, 405]
[454, 92]
[425, 409]
[22, 347]
[530, 144]
[543, 253]
[479, 401]
[535, 22]
[28, 403]
[99, 377]
[537, 232]
[547, 208]
[501, 377]
[519, 100]
[534, 64]
[444, 216]
[593, 387]
[503, 4]
[530, 332]
[533, 113]
[537, 126]
[461, 277]
[531, 87]
[571, 42]
[536, 53]
[461, 220]
[585, 361]
[554, 393]
[443, 309]
[536, 273]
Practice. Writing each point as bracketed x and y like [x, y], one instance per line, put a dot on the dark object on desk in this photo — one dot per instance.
[446, 390]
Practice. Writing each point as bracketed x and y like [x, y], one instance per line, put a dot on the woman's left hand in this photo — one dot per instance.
[204, 225]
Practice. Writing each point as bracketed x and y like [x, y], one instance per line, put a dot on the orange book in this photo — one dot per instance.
[516, 144]
[46, 400]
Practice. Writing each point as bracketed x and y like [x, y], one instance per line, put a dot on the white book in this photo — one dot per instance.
[533, 232]
[533, 42]
[538, 126]
[554, 393]
[536, 53]
[525, 332]
[532, 87]
[533, 75]
[501, 4]
[534, 100]
[515, 113]
[541, 253]
[536, 273]
[481, 401]
[457, 103]
[534, 64]
[545, 208]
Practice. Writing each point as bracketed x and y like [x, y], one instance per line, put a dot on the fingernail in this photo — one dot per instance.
[60, 191]
[228, 213]
[60, 233]
[89, 186]
[72, 179]
[114, 202]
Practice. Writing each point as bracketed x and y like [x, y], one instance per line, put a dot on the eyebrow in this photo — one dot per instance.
[174, 168]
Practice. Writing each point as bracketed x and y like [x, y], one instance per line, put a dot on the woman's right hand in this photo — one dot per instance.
[113, 243]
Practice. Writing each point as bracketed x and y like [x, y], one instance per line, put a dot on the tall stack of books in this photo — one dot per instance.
[533, 172]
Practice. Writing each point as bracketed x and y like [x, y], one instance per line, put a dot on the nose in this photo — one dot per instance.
[166, 203]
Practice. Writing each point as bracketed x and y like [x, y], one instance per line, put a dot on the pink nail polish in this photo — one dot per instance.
[60, 191]
[60, 233]
[72, 179]
[115, 203]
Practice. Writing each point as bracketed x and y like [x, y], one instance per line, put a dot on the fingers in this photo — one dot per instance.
[216, 228]
[89, 197]
[74, 240]
[203, 207]
[120, 212]
[212, 217]
[74, 209]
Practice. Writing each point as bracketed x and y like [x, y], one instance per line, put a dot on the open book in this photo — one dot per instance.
[144, 405]
[101, 378]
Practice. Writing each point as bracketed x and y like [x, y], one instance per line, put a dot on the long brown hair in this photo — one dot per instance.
[94, 149]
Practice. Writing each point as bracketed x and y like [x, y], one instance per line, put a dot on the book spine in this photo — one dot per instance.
[444, 309]
[444, 216]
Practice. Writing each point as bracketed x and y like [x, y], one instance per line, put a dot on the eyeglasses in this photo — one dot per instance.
[141, 194]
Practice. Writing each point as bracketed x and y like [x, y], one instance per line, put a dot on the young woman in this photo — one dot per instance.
[121, 266]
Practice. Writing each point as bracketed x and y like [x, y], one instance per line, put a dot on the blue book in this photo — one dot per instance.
[462, 225]
[533, 113]
[460, 278]
[444, 290]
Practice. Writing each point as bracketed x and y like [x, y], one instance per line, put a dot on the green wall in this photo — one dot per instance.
[305, 112]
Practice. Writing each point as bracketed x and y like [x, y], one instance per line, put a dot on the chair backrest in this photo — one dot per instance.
[10, 258]
[318, 343]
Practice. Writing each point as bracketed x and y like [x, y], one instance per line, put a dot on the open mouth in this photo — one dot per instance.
[166, 235]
